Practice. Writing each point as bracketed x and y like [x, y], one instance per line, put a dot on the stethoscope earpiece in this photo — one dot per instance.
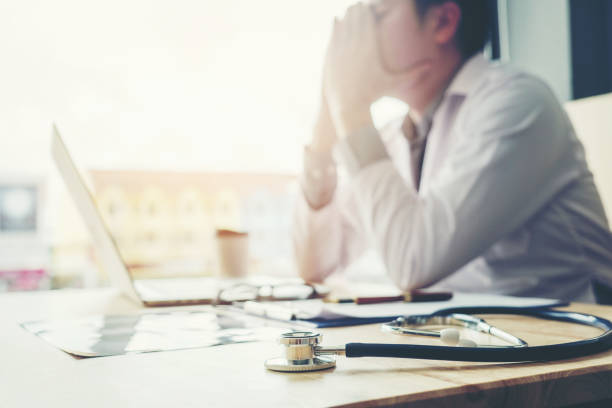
[450, 337]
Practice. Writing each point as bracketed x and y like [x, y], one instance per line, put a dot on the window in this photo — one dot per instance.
[224, 86]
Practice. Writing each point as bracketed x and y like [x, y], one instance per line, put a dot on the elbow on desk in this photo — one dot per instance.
[409, 272]
[309, 266]
[405, 279]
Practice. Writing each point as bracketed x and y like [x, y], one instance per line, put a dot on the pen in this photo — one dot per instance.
[413, 296]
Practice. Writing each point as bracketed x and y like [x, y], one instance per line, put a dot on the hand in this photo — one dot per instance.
[354, 76]
[324, 135]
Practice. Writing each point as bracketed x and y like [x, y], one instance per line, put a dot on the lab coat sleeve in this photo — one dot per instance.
[326, 232]
[506, 165]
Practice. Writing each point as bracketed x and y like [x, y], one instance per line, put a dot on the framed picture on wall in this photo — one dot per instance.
[18, 208]
[21, 208]
[23, 252]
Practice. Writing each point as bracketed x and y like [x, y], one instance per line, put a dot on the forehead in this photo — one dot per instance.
[390, 4]
[385, 2]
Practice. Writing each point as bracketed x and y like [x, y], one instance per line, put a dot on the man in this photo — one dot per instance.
[482, 187]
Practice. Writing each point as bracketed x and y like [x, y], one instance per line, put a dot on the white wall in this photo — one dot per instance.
[185, 84]
[222, 85]
[538, 40]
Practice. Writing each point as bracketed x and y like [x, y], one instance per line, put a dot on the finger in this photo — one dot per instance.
[370, 35]
[355, 22]
[331, 45]
[368, 21]
[352, 20]
[336, 33]
[336, 28]
[343, 30]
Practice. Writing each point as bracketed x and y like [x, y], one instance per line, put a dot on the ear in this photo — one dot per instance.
[446, 18]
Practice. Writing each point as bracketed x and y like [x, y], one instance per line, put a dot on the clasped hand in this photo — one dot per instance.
[354, 76]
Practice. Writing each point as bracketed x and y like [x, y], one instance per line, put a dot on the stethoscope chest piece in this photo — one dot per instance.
[300, 354]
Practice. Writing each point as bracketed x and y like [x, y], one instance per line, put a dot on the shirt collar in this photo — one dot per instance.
[471, 71]
[465, 78]
[463, 81]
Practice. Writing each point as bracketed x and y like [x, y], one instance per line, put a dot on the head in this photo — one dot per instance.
[446, 32]
[410, 30]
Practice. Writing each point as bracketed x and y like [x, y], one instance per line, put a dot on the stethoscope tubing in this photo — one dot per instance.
[552, 352]
[480, 354]
[542, 313]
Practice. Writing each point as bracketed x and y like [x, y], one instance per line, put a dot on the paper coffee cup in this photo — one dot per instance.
[233, 253]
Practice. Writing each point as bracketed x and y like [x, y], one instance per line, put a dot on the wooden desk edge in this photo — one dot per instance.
[561, 388]
[561, 391]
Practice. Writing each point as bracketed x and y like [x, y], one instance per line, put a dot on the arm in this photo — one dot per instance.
[324, 237]
[510, 161]
[328, 232]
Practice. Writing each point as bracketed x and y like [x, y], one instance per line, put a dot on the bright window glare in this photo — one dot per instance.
[207, 85]
[198, 86]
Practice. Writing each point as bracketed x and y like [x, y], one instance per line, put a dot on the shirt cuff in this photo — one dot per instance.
[318, 179]
[360, 149]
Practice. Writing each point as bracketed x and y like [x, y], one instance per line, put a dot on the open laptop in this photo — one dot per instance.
[149, 292]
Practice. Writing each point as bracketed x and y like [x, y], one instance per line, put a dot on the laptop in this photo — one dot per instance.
[148, 292]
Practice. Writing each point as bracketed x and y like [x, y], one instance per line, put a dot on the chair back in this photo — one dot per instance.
[592, 120]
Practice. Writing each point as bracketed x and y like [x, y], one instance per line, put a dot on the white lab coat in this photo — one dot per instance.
[506, 202]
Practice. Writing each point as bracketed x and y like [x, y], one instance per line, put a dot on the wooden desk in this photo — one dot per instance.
[33, 373]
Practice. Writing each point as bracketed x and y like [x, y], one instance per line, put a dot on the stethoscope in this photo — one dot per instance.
[303, 351]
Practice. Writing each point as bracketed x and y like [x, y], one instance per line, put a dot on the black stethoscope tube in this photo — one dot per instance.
[507, 354]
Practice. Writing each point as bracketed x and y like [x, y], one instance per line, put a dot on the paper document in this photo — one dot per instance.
[97, 336]
[317, 309]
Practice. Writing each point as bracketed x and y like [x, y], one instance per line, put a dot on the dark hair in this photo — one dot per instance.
[474, 28]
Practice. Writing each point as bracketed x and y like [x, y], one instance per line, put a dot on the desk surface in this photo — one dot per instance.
[33, 373]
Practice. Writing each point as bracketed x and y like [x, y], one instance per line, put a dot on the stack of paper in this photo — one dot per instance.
[317, 313]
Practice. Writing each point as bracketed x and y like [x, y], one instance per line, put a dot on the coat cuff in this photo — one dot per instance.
[360, 149]
[319, 178]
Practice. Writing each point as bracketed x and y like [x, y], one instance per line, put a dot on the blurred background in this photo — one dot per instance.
[191, 115]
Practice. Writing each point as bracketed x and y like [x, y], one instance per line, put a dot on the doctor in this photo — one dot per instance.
[482, 187]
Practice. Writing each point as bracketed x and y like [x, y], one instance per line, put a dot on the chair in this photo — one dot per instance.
[592, 120]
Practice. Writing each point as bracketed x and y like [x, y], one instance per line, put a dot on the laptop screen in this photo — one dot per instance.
[107, 249]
